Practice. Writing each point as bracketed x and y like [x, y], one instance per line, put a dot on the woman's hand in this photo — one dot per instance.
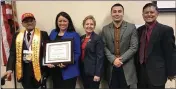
[8, 75]
[61, 65]
[50, 65]
[96, 79]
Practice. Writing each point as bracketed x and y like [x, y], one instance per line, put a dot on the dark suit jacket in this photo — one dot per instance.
[12, 58]
[94, 55]
[159, 53]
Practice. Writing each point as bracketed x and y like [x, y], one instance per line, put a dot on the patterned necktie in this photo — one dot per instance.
[28, 36]
[142, 47]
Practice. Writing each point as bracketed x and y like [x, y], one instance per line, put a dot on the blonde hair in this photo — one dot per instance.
[89, 17]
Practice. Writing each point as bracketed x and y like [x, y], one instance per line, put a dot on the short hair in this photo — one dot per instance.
[150, 5]
[117, 4]
[89, 17]
[70, 23]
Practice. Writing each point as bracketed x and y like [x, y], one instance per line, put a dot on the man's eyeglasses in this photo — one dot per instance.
[28, 21]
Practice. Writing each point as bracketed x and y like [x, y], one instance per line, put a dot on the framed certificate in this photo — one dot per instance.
[59, 51]
[166, 6]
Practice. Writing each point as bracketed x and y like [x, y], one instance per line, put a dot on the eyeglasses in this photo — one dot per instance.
[28, 21]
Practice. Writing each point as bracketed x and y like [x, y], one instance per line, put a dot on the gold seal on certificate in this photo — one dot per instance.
[59, 51]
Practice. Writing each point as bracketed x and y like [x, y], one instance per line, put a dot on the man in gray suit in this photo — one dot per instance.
[121, 43]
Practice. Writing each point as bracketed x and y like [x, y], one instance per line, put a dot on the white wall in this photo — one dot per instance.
[45, 13]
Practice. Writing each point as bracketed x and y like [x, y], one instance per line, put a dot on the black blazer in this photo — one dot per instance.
[94, 55]
[159, 54]
[12, 58]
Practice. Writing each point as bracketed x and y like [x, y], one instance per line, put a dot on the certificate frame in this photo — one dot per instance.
[164, 9]
[53, 47]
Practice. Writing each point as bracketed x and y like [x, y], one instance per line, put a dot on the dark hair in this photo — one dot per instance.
[150, 5]
[117, 4]
[70, 23]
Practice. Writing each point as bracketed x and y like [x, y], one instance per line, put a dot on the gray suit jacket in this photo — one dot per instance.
[128, 47]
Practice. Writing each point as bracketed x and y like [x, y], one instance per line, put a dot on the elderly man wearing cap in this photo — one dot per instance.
[26, 53]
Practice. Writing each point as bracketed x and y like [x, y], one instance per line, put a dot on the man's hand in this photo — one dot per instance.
[96, 78]
[171, 77]
[8, 73]
[117, 62]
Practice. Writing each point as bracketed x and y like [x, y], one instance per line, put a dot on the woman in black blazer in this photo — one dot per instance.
[92, 57]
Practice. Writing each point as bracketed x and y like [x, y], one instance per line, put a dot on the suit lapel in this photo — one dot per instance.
[140, 31]
[153, 38]
[122, 29]
[88, 43]
[111, 30]
[82, 38]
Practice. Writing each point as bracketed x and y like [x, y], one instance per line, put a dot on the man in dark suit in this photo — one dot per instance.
[156, 49]
[26, 53]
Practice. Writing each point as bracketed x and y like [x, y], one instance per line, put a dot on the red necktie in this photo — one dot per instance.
[142, 50]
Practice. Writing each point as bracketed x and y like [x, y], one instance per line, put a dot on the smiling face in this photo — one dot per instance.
[62, 23]
[117, 13]
[29, 23]
[150, 14]
[89, 26]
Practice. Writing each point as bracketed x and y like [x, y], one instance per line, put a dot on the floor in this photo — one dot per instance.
[10, 84]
